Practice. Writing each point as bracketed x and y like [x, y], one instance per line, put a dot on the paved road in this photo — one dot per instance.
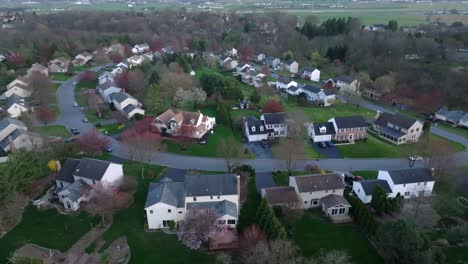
[72, 117]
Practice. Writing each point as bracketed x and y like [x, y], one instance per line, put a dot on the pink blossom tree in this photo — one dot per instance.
[197, 227]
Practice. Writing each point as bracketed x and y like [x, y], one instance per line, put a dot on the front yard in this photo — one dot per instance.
[111, 129]
[54, 131]
[59, 76]
[463, 132]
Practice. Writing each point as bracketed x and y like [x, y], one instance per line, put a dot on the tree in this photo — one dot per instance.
[273, 252]
[255, 97]
[266, 70]
[229, 150]
[334, 257]
[400, 242]
[41, 87]
[223, 114]
[273, 106]
[379, 200]
[385, 83]
[392, 25]
[193, 94]
[251, 236]
[71, 69]
[288, 55]
[87, 76]
[95, 102]
[101, 58]
[92, 142]
[317, 60]
[136, 82]
[197, 227]
[45, 114]
[154, 102]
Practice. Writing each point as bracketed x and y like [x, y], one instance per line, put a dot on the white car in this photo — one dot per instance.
[415, 158]
[74, 83]
[75, 104]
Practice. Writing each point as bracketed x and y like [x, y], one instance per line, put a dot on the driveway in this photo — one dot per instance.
[259, 151]
[328, 152]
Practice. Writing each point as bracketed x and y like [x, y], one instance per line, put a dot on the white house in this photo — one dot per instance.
[336, 207]
[321, 132]
[170, 199]
[183, 123]
[345, 83]
[59, 65]
[82, 58]
[107, 89]
[36, 67]
[241, 67]
[273, 62]
[312, 188]
[136, 60]
[291, 66]
[311, 74]
[259, 57]
[120, 68]
[140, 48]
[313, 94]
[127, 104]
[232, 52]
[363, 189]
[105, 77]
[22, 80]
[285, 83]
[255, 129]
[276, 124]
[464, 121]
[229, 63]
[76, 178]
[15, 106]
[449, 116]
[398, 129]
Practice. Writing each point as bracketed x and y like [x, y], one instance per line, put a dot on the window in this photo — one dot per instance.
[404, 185]
[253, 129]
[305, 202]
[194, 198]
[315, 202]
[151, 211]
[221, 222]
[341, 211]
[219, 197]
[425, 183]
[169, 210]
[180, 212]
[417, 129]
[333, 191]
[333, 212]
[211, 197]
[407, 193]
[326, 191]
[231, 222]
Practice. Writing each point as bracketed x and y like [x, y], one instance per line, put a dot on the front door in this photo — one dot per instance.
[351, 137]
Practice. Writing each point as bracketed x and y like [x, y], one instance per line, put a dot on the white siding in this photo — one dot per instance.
[359, 191]
[159, 212]
[113, 175]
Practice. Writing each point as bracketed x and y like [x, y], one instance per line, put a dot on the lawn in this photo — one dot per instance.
[210, 149]
[282, 177]
[366, 174]
[456, 130]
[59, 76]
[447, 191]
[313, 233]
[456, 254]
[307, 152]
[55, 108]
[80, 88]
[54, 130]
[111, 129]
[146, 247]
[379, 148]
[93, 118]
[47, 229]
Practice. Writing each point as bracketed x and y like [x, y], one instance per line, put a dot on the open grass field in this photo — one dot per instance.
[312, 233]
[46, 228]
[54, 130]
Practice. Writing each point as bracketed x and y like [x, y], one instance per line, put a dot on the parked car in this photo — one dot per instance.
[75, 104]
[415, 158]
[330, 144]
[85, 120]
[69, 140]
[108, 149]
[75, 82]
[74, 131]
[265, 144]
[322, 145]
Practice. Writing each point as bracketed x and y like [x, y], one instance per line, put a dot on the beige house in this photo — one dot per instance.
[183, 123]
[59, 65]
[312, 188]
[36, 67]
[398, 129]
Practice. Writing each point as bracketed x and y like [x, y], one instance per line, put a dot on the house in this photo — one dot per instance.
[59, 65]
[291, 66]
[398, 129]
[36, 67]
[82, 58]
[21, 80]
[312, 188]
[232, 52]
[345, 83]
[136, 60]
[108, 88]
[314, 94]
[140, 48]
[76, 178]
[258, 58]
[17, 89]
[242, 67]
[272, 62]
[321, 132]
[310, 73]
[105, 77]
[406, 182]
[120, 68]
[363, 189]
[453, 116]
[349, 128]
[183, 123]
[244, 104]
[170, 199]
[284, 196]
[15, 106]
[127, 104]
[14, 134]
[277, 122]
[464, 121]
[255, 129]
[2, 57]
[285, 83]
[229, 64]
[372, 93]
[336, 207]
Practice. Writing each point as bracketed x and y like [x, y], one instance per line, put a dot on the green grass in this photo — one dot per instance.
[146, 247]
[54, 130]
[366, 174]
[307, 152]
[456, 255]
[91, 248]
[81, 87]
[46, 228]
[83, 68]
[111, 129]
[210, 149]
[59, 76]
[447, 191]
[56, 85]
[55, 108]
[92, 116]
[456, 130]
[313, 233]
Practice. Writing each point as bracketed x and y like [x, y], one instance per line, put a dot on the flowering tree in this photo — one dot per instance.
[87, 76]
[266, 70]
[92, 142]
[15, 59]
[197, 227]
[273, 106]
[122, 80]
[96, 103]
[157, 44]
[116, 57]
[45, 114]
[251, 236]
[193, 94]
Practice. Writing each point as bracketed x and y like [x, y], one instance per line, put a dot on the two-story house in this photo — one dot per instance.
[59, 65]
[108, 88]
[291, 66]
[127, 104]
[310, 73]
[276, 124]
[105, 77]
[345, 84]
[285, 83]
[170, 199]
[14, 135]
[19, 87]
[15, 106]
[255, 129]
[273, 62]
[363, 189]
[183, 123]
[82, 58]
[140, 48]
[312, 188]
[349, 128]
[76, 178]
[36, 67]
[398, 129]
[314, 94]
[321, 132]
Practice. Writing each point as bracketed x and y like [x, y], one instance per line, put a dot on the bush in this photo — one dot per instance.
[447, 222]
[172, 225]
[138, 116]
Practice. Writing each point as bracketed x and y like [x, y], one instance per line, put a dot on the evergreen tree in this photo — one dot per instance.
[379, 200]
[255, 97]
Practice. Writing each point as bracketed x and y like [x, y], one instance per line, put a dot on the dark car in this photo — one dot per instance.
[265, 144]
[330, 144]
[74, 131]
[108, 149]
[322, 145]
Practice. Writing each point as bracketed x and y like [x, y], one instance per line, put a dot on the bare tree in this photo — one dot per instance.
[96, 103]
[92, 142]
[101, 57]
[137, 82]
[229, 150]
[42, 88]
[45, 114]
[197, 227]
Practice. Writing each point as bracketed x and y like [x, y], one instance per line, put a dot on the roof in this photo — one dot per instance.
[5, 122]
[396, 119]
[142, 46]
[332, 200]
[350, 122]
[281, 195]
[171, 193]
[174, 175]
[369, 185]
[66, 172]
[129, 108]
[210, 184]
[221, 208]
[289, 62]
[345, 79]
[91, 168]
[285, 80]
[453, 115]
[308, 69]
[310, 88]
[330, 128]
[328, 92]
[166, 116]
[258, 124]
[318, 182]
[37, 67]
[22, 86]
[14, 99]
[274, 118]
[13, 136]
[411, 175]
[121, 96]
[393, 132]
[77, 190]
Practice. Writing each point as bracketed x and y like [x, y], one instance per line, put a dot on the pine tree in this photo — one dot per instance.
[261, 209]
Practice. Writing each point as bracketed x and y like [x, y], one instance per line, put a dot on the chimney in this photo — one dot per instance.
[238, 193]
[377, 114]
[58, 166]
[433, 172]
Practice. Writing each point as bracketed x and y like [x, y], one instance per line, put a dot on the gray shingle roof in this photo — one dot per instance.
[221, 208]
[174, 175]
[274, 118]
[308, 69]
[129, 108]
[330, 129]
[14, 135]
[210, 184]
[281, 195]
[257, 123]
[411, 175]
[350, 122]
[345, 79]
[5, 122]
[121, 96]
[369, 185]
[393, 132]
[91, 168]
[171, 193]
[66, 172]
[284, 80]
[397, 119]
[310, 88]
[14, 99]
[77, 190]
[318, 182]
[334, 200]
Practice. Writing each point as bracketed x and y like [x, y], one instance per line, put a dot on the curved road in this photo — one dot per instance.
[72, 117]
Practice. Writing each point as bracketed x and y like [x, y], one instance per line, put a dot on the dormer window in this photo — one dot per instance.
[261, 128]
[323, 129]
[253, 129]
